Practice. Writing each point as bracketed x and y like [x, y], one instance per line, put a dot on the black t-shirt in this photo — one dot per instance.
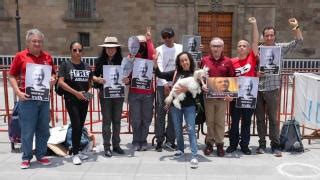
[188, 100]
[99, 68]
[77, 76]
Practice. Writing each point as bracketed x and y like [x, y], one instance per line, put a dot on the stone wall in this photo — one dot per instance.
[123, 18]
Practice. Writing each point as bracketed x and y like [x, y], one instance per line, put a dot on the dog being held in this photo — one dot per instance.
[191, 83]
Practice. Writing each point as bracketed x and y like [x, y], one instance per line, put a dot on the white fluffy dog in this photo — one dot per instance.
[191, 83]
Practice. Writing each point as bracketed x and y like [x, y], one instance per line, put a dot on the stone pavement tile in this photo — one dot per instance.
[206, 177]
[159, 177]
[113, 168]
[107, 177]
[163, 169]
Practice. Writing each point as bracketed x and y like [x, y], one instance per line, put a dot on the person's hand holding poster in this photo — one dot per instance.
[38, 78]
[270, 59]
[114, 87]
[248, 90]
[142, 74]
[220, 87]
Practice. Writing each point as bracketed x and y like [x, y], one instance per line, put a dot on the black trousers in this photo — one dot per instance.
[77, 111]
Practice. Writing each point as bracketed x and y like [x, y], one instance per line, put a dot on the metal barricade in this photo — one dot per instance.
[59, 113]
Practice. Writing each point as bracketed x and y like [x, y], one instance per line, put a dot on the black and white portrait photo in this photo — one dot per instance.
[142, 74]
[270, 59]
[133, 45]
[191, 44]
[126, 66]
[219, 87]
[114, 87]
[38, 78]
[248, 90]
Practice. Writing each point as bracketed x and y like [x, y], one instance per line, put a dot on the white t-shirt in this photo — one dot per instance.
[166, 60]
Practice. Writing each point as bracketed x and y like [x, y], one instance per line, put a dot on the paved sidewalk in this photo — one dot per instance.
[152, 165]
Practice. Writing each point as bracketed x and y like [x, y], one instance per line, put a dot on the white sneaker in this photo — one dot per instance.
[76, 159]
[83, 156]
[194, 163]
[178, 154]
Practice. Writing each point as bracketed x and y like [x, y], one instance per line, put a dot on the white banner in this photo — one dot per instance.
[307, 99]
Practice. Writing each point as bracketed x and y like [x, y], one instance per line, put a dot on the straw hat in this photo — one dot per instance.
[110, 42]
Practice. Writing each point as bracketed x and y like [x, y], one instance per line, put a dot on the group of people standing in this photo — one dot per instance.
[170, 64]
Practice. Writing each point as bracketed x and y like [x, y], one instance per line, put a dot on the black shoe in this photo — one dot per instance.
[107, 152]
[118, 150]
[245, 150]
[171, 146]
[276, 152]
[231, 149]
[261, 150]
[159, 147]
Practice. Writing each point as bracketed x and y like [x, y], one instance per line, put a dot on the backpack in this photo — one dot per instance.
[84, 141]
[290, 137]
[14, 129]
[57, 89]
[200, 112]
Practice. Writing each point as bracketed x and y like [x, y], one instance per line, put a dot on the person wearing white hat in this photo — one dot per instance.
[111, 108]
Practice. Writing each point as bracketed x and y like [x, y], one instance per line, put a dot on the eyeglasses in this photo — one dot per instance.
[37, 41]
[77, 50]
[216, 45]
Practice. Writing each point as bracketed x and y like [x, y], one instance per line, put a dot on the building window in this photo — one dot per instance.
[3, 12]
[82, 10]
[84, 38]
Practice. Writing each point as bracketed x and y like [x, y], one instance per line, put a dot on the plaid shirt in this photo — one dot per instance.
[272, 82]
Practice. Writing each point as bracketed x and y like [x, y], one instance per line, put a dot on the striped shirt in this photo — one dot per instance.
[271, 82]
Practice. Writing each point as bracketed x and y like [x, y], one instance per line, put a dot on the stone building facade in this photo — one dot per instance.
[63, 21]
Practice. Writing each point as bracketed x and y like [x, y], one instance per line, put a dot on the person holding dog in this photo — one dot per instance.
[185, 67]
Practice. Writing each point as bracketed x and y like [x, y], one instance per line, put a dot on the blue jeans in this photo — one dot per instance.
[189, 114]
[34, 118]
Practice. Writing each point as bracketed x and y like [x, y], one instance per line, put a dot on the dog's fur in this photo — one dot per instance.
[191, 83]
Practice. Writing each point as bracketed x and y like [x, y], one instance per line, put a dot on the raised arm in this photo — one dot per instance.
[295, 28]
[255, 35]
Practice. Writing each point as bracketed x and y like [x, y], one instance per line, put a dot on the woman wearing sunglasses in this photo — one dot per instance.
[75, 78]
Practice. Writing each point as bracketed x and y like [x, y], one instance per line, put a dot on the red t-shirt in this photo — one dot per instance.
[150, 48]
[18, 66]
[245, 67]
[218, 68]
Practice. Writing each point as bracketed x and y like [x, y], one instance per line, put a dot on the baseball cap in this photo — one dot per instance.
[167, 31]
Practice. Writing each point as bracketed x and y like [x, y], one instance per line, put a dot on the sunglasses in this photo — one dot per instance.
[77, 50]
[166, 37]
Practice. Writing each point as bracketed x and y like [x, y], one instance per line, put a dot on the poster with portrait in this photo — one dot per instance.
[219, 87]
[133, 45]
[127, 66]
[270, 59]
[142, 74]
[191, 44]
[248, 91]
[114, 87]
[38, 78]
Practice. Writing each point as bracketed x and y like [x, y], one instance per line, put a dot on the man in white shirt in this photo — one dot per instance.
[166, 55]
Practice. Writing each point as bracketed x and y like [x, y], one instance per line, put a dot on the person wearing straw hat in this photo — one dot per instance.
[111, 108]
